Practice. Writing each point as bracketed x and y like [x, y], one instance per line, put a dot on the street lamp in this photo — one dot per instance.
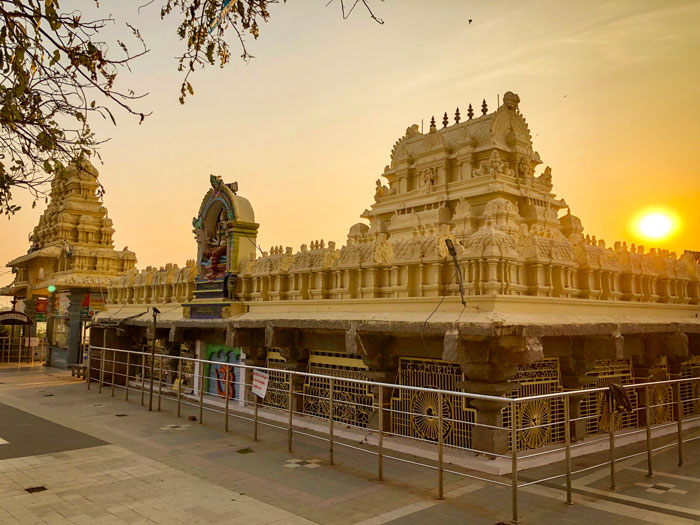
[153, 358]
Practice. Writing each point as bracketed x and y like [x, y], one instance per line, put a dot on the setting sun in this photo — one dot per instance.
[656, 225]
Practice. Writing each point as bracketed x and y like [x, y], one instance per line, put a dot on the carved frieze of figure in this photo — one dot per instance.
[380, 191]
[545, 179]
[493, 167]
[286, 260]
[462, 209]
[525, 170]
[383, 250]
[427, 180]
[330, 256]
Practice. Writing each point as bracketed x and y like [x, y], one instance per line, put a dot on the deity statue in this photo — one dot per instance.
[428, 180]
[496, 164]
[216, 248]
[380, 191]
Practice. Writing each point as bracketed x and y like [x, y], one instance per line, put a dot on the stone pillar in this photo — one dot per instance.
[297, 358]
[489, 363]
[573, 368]
[50, 325]
[674, 346]
[172, 348]
[373, 348]
[75, 327]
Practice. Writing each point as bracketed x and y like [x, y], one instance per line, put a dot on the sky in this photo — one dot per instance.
[609, 90]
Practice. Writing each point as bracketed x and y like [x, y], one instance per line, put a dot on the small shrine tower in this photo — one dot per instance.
[70, 261]
[226, 234]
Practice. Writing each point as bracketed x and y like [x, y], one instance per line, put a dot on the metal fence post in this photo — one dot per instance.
[647, 415]
[126, 379]
[680, 424]
[102, 369]
[143, 375]
[151, 368]
[440, 449]
[380, 450]
[255, 418]
[514, 460]
[179, 385]
[567, 441]
[611, 437]
[290, 401]
[201, 391]
[160, 380]
[114, 364]
[330, 420]
[227, 378]
[89, 367]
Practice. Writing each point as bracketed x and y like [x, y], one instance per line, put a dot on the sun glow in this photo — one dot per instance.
[656, 225]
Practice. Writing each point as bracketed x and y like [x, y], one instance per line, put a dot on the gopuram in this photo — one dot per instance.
[548, 307]
[70, 261]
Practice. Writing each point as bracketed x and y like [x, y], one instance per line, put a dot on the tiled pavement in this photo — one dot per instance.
[154, 467]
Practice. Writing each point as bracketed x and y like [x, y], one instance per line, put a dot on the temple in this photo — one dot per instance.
[70, 262]
[466, 273]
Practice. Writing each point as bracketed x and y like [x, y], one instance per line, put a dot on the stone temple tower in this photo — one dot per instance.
[70, 260]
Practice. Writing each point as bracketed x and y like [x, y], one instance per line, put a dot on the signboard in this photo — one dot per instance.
[260, 382]
[32, 342]
[14, 317]
[41, 305]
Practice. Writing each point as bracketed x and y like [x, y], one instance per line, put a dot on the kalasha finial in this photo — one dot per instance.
[470, 112]
[432, 123]
[457, 116]
[484, 108]
[445, 120]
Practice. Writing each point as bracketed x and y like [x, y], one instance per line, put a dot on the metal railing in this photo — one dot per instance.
[128, 370]
[21, 349]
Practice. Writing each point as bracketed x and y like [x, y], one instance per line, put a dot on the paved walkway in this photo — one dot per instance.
[95, 458]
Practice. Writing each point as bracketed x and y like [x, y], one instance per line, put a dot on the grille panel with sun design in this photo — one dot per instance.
[533, 420]
[352, 402]
[541, 421]
[425, 409]
[594, 407]
[414, 414]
